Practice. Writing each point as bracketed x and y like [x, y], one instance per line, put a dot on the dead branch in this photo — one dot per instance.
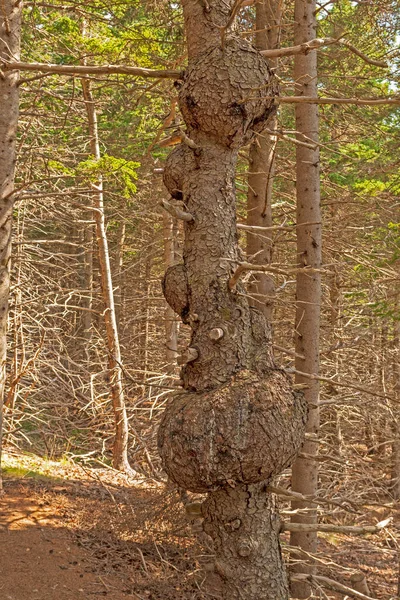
[313, 500]
[347, 529]
[347, 384]
[356, 101]
[330, 584]
[243, 267]
[80, 70]
[318, 43]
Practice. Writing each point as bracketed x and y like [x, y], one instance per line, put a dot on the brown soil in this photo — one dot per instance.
[68, 533]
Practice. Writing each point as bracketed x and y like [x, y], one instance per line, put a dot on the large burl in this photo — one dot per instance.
[237, 422]
[245, 431]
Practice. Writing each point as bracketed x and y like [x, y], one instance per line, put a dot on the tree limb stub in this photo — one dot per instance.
[176, 212]
[80, 70]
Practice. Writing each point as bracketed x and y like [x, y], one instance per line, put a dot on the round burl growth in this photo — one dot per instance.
[228, 93]
[175, 290]
[174, 171]
[246, 431]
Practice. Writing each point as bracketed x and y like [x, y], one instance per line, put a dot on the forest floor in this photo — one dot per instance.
[69, 533]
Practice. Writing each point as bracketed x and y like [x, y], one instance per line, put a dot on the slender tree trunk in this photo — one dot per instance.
[308, 288]
[10, 35]
[237, 423]
[119, 263]
[171, 323]
[261, 170]
[395, 475]
[146, 320]
[88, 284]
[120, 448]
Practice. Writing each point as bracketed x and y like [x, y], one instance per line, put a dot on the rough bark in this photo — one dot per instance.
[261, 170]
[237, 422]
[10, 34]
[120, 447]
[308, 287]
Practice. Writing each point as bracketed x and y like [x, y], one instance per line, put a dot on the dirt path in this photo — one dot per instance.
[39, 558]
[69, 533]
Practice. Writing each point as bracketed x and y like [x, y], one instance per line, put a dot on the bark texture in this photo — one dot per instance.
[237, 422]
[10, 34]
[308, 286]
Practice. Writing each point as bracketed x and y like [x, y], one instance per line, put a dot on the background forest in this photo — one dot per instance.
[91, 236]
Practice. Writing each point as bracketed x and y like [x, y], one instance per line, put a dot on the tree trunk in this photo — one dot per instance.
[10, 35]
[261, 171]
[171, 323]
[120, 448]
[308, 288]
[395, 475]
[237, 423]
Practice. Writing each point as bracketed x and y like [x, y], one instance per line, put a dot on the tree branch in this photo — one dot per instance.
[90, 70]
[330, 584]
[356, 101]
[333, 382]
[318, 43]
[350, 529]
[267, 269]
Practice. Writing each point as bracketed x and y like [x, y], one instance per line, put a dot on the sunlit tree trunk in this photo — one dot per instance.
[171, 322]
[10, 33]
[237, 423]
[308, 286]
[395, 476]
[261, 170]
[120, 448]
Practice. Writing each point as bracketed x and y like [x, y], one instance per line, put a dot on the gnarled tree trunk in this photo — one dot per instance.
[237, 423]
[10, 35]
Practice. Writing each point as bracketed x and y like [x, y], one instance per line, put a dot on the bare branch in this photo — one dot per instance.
[80, 70]
[243, 267]
[331, 585]
[318, 43]
[348, 529]
[356, 101]
[333, 382]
